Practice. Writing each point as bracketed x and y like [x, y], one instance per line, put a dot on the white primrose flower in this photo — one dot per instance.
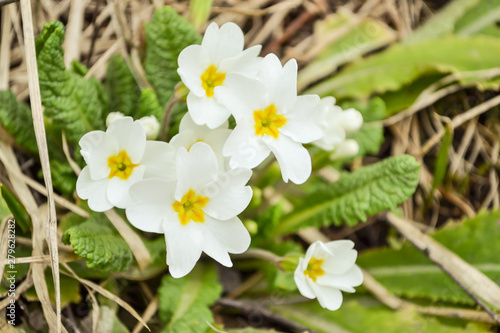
[270, 117]
[204, 67]
[337, 124]
[118, 158]
[191, 133]
[151, 126]
[327, 270]
[198, 212]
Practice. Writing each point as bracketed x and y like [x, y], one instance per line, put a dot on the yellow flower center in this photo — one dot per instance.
[121, 166]
[211, 79]
[314, 268]
[190, 207]
[268, 122]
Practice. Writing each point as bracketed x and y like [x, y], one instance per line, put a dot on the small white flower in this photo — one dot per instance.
[112, 116]
[346, 148]
[327, 270]
[204, 67]
[151, 126]
[196, 213]
[336, 123]
[270, 117]
[191, 133]
[118, 158]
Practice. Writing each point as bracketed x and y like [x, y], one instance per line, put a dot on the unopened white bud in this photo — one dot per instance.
[112, 116]
[347, 148]
[151, 126]
[351, 120]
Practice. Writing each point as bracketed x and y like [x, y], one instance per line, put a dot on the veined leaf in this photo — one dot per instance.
[184, 303]
[401, 64]
[149, 105]
[16, 118]
[363, 37]
[352, 317]
[123, 91]
[97, 241]
[477, 18]
[366, 191]
[167, 35]
[70, 101]
[443, 22]
[409, 273]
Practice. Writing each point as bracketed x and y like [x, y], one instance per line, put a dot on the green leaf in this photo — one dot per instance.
[366, 191]
[352, 317]
[123, 91]
[63, 176]
[167, 35]
[251, 330]
[401, 65]
[149, 105]
[98, 241]
[363, 36]
[443, 22]
[409, 273]
[70, 101]
[441, 165]
[18, 211]
[184, 304]
[16, 118]
[484, 14]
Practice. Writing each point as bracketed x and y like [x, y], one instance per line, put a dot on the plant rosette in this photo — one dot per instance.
[197, 213]
[118, 158]
[326, 270]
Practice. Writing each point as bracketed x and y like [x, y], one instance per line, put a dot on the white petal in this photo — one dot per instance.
[301, 281]
[333, 136]
[249, 154]
[242, 95]
[339, 245]
[329, 298]
[159, 160]
[184, 245]
[228, 194]
[118, 189]
[270, 72]
[93, 190]
[223, 43]
[195, 168]
[301, 125]
[193, 62]
[130, 136]
[217, 139]
[97, 147]
[207, 110]
[231, 234]
[151, 199]
[345, 282]
[246, 62]
[294, 160]
[340, 262]
[351, 120]
[285, 93]
[183, 139]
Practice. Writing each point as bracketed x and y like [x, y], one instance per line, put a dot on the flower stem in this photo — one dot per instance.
[260, 254]
[167, 114]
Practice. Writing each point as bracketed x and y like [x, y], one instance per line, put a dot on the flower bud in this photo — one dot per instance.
[351, 120]
[112, 116]
[199, 10]
[151, 126]
[347, 148]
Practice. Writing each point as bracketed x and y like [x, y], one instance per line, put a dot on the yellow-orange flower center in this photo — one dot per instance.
[314, 268]
[268, 122]
[211, 79]
[190, 207]
[121, 166]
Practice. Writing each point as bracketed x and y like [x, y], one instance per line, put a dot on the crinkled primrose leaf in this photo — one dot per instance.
[124, 93]
[184, 304]
[99, 243]
[366, 191]
[167, 35]
[70, 101]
